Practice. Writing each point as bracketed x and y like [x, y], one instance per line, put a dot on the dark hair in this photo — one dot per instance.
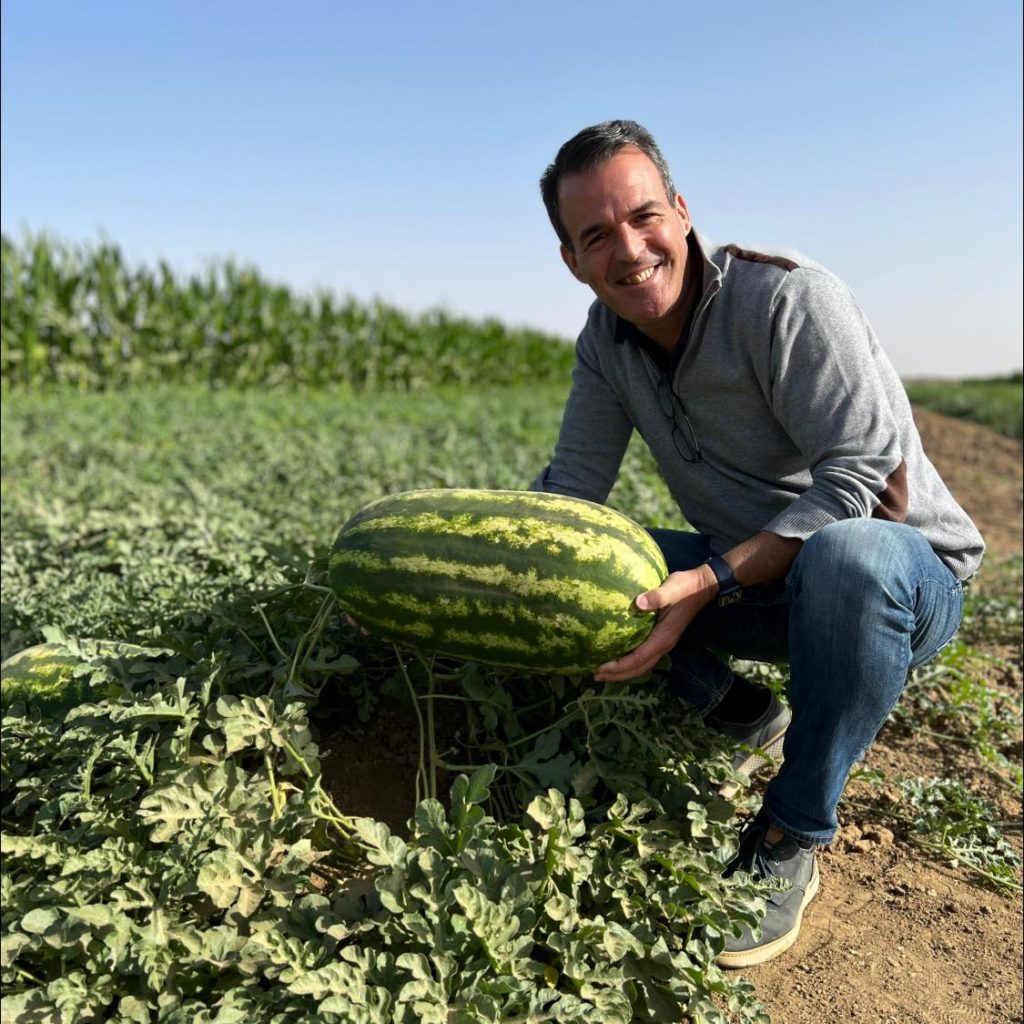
[589, 149]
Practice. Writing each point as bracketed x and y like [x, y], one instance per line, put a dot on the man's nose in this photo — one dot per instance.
[629, 244]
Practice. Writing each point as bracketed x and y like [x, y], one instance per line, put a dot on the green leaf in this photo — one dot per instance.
[40, 921]
[478, 789]
[221, 877]
[31, 1007]
[341, 666]
[332, 978]
[429, 818]
[561, 908]
[416, 964]
[548, 811]
[464, 796]
[617, 942]
[96, 914]
[11, 946]
[134, 1009]
[613, 1007]
[385, 849]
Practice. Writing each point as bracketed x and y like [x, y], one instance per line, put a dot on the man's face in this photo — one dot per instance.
[629, 241]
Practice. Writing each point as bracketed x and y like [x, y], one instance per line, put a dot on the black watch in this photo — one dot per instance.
[729, 589]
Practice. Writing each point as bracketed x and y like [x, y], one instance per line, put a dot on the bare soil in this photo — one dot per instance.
[894, 937]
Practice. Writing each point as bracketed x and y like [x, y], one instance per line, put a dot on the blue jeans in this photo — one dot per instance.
[865, 601]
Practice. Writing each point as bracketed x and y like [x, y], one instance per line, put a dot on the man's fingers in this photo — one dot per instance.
[355, 625]
[634, 664]
[663, 637]
[628, 667]
[661, 597]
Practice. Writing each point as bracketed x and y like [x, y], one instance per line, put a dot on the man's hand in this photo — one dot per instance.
[677, 601]
[765, 556]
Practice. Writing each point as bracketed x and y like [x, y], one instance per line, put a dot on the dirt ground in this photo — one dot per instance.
[893, 937]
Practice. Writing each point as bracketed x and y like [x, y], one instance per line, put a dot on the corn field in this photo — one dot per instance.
[80, 316]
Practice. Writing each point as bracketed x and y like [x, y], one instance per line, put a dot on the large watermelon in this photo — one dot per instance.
[513, 578]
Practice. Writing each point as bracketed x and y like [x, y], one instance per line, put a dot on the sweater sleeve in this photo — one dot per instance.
[593, 437]
[828, 395]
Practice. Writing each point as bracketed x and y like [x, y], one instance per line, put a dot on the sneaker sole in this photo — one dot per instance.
[755, 761]
[770, 950]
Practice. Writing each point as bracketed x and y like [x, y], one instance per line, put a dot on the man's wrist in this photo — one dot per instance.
[708, 589]
[729, 588]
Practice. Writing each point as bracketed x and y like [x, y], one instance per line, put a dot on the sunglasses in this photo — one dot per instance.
[683, 436]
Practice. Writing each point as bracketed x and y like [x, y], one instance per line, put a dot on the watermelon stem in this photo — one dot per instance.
[275, 794]
[270, 630]
[578, 708]
[431, 734]
[252, 643]
[326, 809]
[322, 805]
[308, 639]
[421, 771]
[30, 977]
[567, 717]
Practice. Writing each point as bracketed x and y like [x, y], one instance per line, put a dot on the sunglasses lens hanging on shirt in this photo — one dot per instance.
[683, 436]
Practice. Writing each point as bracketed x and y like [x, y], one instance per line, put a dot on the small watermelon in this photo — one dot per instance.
[55, 677]
[522, 579]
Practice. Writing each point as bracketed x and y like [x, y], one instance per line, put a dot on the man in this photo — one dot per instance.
[825, 537]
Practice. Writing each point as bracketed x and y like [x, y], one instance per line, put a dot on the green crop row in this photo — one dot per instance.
[184, 519]
[134, 510]
[996, 402]
[172, 850]
[83, 317]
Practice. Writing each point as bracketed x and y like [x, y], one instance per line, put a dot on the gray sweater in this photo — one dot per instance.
[799, 416]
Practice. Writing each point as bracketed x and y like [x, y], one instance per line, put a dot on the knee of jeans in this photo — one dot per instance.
[843, 556]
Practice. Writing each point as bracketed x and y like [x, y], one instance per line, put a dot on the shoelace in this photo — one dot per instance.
[765, 856]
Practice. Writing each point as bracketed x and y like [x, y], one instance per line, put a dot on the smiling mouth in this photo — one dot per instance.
[641, 277]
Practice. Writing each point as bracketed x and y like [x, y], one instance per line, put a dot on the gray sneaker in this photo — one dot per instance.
[788, 861]
[760, 741]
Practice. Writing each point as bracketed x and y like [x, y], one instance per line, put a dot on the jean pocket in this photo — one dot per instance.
[942, 615]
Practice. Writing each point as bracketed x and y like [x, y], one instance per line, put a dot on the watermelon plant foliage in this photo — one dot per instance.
[171, 850]
[173, 855]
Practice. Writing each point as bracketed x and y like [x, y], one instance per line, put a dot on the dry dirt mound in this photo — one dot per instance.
[983, 470]
[894, 938]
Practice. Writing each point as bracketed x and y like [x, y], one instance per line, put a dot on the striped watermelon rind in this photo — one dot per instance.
[43, 676]
[519, 579]
[55, 677]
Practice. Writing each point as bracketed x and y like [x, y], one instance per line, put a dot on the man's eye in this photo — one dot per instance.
[593, 241]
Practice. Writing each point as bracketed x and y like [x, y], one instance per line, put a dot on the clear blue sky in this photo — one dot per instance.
[393, 149]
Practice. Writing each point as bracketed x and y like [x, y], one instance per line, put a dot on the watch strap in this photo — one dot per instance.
[729, 588]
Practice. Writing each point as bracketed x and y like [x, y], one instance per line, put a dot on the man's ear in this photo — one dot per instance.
[679, 204]
[569, 259]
